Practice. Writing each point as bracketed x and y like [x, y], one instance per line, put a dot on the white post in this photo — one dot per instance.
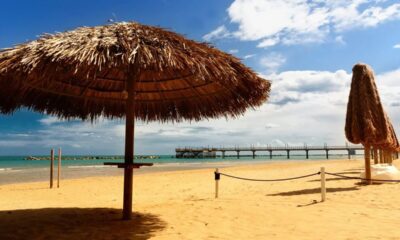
[323, 188]
[216, 182]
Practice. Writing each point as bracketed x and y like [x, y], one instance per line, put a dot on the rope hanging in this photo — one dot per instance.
[364, 179]
[217, 177]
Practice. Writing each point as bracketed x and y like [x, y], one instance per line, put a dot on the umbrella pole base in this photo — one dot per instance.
[367, 158]
[128, 185]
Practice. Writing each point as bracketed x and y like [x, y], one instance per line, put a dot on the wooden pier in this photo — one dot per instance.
[211, 152]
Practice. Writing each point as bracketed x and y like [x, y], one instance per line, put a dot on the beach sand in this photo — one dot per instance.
[181, 205]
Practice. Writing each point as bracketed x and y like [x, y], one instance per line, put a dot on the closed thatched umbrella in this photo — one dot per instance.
[126, 70]
[366, 121]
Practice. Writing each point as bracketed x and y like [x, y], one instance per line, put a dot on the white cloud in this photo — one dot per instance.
[233, 51]
[339, 39]
[13, 143]
[248, 56]
[389, 86]
[272, 62]
[302, 21]
[298, 86]
[389, 79]
[310, 81]
[347, 16]
[220, 32]
[396, 46]
[268, 42]
[271, 125]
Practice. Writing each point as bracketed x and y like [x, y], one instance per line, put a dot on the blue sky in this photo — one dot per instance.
[306, 48]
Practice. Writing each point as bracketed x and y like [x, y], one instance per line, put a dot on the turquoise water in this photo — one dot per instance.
[18, 162]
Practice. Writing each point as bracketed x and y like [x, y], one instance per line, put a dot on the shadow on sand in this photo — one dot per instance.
[333, 179]
[349, 172]
[76, 223]
[313, 190]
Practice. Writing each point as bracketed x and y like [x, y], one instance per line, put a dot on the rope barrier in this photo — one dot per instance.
[217, 177]
[365, 179]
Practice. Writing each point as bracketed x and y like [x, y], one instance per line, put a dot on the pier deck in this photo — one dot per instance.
[207, 152]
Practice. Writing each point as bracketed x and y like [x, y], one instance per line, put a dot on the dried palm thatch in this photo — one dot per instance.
[366, 121]
[126, 70]
[83, 73]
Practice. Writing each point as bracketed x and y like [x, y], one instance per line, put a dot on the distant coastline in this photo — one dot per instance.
[33, 158]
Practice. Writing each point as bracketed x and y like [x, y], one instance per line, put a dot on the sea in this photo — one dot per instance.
[14, 169]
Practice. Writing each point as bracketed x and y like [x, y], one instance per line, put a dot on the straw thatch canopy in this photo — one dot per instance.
[126, 70]
[366, 121]
[83, 73]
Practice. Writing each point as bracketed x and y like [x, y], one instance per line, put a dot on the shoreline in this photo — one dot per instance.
[35, 174]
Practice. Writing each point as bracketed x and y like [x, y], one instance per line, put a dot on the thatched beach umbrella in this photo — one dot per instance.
[126, 70]
[366, 121]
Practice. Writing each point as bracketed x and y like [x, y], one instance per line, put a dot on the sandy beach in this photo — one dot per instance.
[181, 205]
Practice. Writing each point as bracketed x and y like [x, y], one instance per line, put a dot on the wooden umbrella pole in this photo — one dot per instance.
[129, 145]
[367, 154]
[376, 157]
[59, 168]
[385, 158]
[380, 156]
[128, 171]
[51, 167]
[388, 157]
